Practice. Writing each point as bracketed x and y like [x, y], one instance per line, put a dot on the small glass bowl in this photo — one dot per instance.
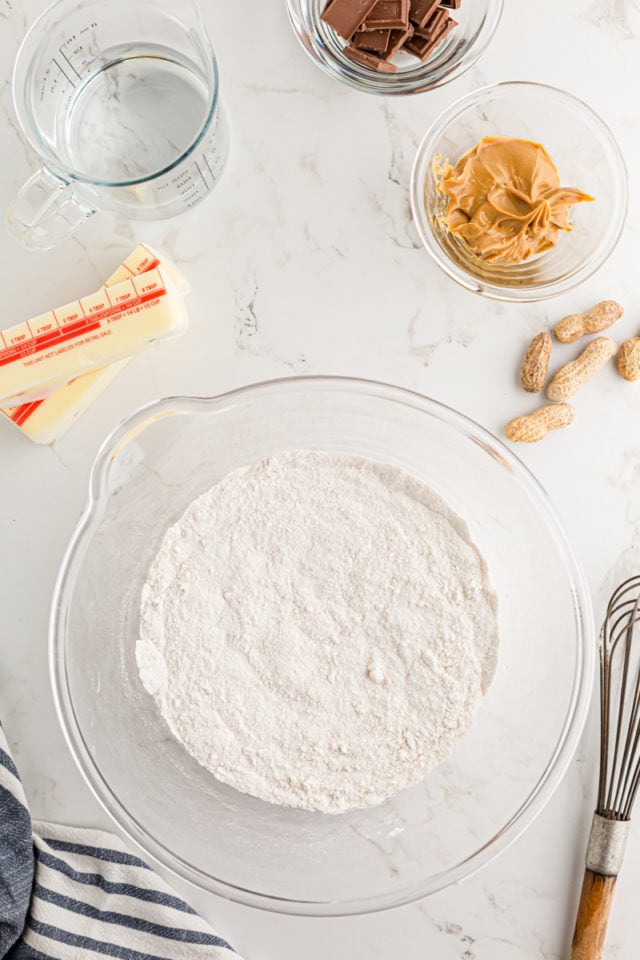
[477, 22]
[587, 156]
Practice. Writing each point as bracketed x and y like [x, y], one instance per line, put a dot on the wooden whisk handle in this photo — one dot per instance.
[593, 916]
[605, 854]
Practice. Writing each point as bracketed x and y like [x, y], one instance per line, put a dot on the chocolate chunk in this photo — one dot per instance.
[421, 10]
[369, 60]
[388, 15]
[450, 25]
[423, 47]
[433, 26]
[419, 47]
[397, 39]
[376, 41]
[377, 29]
[345, 16]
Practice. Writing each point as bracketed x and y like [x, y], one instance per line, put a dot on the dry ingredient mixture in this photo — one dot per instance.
[505, 200]
[318, 630]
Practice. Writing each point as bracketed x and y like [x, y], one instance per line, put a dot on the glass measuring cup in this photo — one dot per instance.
[121, 102]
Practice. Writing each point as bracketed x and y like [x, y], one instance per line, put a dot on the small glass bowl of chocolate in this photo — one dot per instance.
[519, 191]
[395, 46]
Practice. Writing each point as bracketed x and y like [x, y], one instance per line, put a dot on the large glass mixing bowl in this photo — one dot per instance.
[500, 774]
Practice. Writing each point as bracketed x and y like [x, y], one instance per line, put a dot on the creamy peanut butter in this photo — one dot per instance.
[505, 200]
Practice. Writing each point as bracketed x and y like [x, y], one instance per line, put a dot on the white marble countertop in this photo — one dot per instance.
[314, 206]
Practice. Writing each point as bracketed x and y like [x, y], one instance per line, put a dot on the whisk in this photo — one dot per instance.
[619, 779]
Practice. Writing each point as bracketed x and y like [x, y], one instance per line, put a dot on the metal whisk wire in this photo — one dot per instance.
[619, 778]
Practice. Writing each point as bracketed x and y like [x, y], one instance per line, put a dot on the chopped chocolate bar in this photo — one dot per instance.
[421, 10]
[450, 25]
[375, 30]
[433, 26]
[388, 15]
[397, 39]
[369, 60]
[423, 47]
[376, 41]
[345, 16]
[419, 47]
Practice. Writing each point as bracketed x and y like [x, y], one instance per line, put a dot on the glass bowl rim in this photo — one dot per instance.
[529, 293]
[157, 851]
[391, 84]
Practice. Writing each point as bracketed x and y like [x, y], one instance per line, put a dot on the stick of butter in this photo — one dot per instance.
[46, 420]
[119, 320]
[145, 258]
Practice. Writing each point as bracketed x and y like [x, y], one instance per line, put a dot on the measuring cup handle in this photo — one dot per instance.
[45, 211]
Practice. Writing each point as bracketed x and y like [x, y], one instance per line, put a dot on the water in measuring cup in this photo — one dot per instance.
[136, 116]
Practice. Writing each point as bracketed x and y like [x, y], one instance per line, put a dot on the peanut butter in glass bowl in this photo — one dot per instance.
[506, 202]
[501, 221]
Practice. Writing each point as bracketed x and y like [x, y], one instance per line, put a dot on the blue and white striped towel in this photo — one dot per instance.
[69, 894]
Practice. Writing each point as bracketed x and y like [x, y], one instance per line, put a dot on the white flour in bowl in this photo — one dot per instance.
[318, 630]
